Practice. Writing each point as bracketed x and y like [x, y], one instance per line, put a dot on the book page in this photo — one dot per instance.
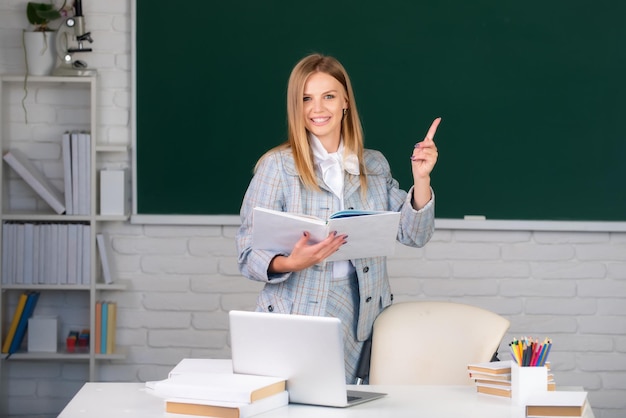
[279, 231]
[372, 235]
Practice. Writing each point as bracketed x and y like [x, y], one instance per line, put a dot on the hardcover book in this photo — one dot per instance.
[493, 367]
[370, 233]
[556, 404]
[226, 409]
[222, 387]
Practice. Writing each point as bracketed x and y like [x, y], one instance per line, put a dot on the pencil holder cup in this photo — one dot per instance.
[526, 381]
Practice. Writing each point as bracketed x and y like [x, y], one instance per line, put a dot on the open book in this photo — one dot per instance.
[370, 233]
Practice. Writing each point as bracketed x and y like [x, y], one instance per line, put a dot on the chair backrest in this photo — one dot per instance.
[431, 343]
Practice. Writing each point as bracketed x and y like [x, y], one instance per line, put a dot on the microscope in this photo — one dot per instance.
[73, 31]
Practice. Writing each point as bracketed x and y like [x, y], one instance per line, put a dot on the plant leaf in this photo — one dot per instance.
[41, 13]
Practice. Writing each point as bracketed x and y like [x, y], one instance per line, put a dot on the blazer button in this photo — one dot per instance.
[270, 308]
[392, 297]
[351, 208]
[366, 269]
[369, 299]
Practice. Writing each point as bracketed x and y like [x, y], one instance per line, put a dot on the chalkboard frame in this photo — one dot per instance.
[226, 219]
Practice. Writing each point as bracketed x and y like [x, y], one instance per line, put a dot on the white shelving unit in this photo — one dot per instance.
[79, 101]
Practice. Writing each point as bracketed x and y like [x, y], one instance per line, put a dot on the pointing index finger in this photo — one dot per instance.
[433, 128]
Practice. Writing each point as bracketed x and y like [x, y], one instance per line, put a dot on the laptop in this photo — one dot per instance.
[307, 350]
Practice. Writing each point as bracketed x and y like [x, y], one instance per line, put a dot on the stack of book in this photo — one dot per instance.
[211, 389]
[17, 330]
[494, 378]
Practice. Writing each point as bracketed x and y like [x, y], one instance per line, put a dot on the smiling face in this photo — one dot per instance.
[324, 100]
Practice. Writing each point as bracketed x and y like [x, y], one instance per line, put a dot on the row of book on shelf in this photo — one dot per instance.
[76, 153]
[51, 253]
[104, 336]
[19, 323]
[208, 387]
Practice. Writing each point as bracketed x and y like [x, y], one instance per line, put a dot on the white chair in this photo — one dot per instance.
[431, 343]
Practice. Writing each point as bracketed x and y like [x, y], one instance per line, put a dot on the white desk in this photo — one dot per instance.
[129, 400]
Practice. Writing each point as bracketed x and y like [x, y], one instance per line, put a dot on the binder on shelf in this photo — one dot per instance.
[43, 333]
[6, 252]
[75, 172]
[54, 253]
[104, 327]
[63, 254]
[35, 179]
[37, 249]
[29, 247]
[113, 192]
[22, 325]
[66, 148]
[84, 177]
[105, 257]
[98, 332]
[19, 308]
[111, 324]
[85, 276]
[73, 262]
[19, 254]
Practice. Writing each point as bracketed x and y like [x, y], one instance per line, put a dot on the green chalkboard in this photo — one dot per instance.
[532, 96]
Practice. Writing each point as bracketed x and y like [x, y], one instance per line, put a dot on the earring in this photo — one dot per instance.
[344, 111]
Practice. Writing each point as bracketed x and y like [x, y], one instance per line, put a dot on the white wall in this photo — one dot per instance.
[570, 286]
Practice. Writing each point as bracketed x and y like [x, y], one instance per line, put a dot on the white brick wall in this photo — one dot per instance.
[570, 286]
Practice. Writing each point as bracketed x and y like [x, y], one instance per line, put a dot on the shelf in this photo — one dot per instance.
[58, 287]
[45, 79]
[112, 148]
[76, 96]
[61, 354]
[44, 217]
[112, 218]
[53, 217]
[120, 354]
[117, 285]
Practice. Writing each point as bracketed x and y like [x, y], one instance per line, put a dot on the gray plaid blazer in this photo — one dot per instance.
[276, 185]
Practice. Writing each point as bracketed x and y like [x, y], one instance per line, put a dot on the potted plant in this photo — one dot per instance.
[39, 44]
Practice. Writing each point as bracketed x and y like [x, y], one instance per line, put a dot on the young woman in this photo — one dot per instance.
[322, 168]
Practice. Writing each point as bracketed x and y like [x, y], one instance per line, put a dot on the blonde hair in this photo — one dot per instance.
[297, 138]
